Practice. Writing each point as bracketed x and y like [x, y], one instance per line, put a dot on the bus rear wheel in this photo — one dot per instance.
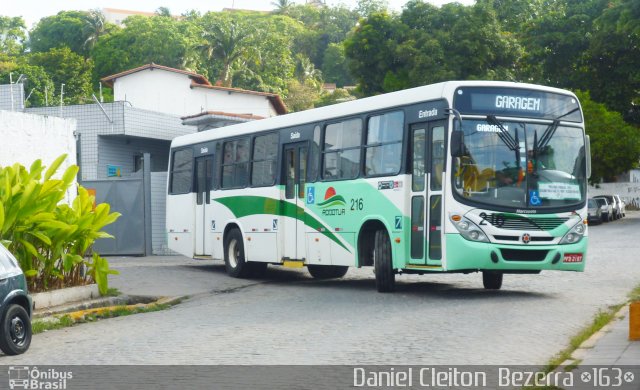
[382, 262]
[327, 271]
[234, 260]
[492, 280]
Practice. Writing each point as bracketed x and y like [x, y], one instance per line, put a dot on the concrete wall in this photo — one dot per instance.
[132, 132]
[27, 138]
[171, 93]
[629, 192]
[231, 102]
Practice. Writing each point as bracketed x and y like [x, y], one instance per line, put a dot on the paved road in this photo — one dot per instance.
[289, 318]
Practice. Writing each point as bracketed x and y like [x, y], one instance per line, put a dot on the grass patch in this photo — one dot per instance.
[43, 325]
[634, 295]
[67, 320]
[601, 319]
[112, 292]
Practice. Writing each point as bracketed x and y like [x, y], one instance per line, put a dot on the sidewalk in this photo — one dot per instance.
[611, 345]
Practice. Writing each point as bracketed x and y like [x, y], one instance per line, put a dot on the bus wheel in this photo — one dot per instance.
[382, 264]
[16, 331]
[327, 271]
[234, 261]
[492, 280]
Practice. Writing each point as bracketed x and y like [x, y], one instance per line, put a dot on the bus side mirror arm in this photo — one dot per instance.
[457, 135]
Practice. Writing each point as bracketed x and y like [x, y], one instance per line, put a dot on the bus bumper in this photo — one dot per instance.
[463, 254]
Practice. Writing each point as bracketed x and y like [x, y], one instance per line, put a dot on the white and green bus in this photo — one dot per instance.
[458, 176]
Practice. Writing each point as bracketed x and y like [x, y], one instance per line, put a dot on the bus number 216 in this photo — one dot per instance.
[357, 204]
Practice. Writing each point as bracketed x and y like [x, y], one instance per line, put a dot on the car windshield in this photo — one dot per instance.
[592, 204]
[514, 164]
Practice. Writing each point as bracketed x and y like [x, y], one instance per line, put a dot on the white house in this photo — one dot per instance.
[183, 93]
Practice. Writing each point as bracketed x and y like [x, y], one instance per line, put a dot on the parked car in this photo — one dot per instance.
[614, 204]
[15, 306]
[605, 207]
[621, 206]
[595, 212]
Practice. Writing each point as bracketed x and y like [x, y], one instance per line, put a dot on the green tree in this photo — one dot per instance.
[615, 144]
[12, 35]
[335, 66]
[67, 28]
[557, 41]
[282, 6]
[323, 26]
[227, 40]
[68, 68]
[37, 82]
[143, 40]
[614, 59]
[301, 96]
[371, 51]
[364, 8]
[95, 26]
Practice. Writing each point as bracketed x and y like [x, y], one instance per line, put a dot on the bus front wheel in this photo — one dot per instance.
[492, 280]
[382, 262]
[327, 271]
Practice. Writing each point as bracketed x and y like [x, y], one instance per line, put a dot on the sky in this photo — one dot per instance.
[33, 10]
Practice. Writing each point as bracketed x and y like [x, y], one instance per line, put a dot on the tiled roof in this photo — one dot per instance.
[226, 114]
[197, 78]
[200, 81]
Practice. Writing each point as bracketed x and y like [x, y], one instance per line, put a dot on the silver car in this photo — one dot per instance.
[605, 207]
[595, 212]
[621, 206]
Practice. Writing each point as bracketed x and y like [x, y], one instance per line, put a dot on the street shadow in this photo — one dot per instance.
[442, 290]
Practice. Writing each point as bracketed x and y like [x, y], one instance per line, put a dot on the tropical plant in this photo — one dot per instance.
[48, 237]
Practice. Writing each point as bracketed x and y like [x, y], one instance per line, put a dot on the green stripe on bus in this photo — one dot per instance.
[243, 206]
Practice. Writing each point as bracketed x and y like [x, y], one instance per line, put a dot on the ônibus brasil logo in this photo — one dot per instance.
[333, 204]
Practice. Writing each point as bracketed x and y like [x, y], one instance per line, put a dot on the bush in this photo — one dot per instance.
[51, 239]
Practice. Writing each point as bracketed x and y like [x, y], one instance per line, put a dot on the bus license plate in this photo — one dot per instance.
[572, 258]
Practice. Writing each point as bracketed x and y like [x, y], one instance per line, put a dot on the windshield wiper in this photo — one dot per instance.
[546, 137]
[504, 135]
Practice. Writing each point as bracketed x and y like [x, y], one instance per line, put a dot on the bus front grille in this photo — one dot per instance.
[523, 254]
[514, 222]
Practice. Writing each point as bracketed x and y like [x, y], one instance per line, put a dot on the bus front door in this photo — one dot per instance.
[427, 166]
[293, 223]
[203, 182]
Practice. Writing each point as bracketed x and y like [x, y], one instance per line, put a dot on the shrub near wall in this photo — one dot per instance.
[51, 239]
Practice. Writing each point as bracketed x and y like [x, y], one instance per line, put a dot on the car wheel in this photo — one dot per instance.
[327, 271]
[382, 262]
[492, 280]
[16, 331]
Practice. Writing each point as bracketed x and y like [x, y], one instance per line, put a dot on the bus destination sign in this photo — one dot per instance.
[516, 102]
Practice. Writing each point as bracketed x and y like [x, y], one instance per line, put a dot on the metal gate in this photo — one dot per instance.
[126, 196]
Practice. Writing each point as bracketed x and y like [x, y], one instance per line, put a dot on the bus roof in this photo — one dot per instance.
[379, 102]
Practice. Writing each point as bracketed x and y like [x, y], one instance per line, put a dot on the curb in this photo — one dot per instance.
[63, 296]
[78, 315]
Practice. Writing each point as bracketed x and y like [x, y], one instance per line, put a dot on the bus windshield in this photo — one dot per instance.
[520, 165]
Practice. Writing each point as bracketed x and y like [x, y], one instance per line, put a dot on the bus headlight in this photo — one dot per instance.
[575, 234]
[468, 229]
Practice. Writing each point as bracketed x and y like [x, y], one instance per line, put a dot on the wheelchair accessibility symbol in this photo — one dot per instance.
[311, 195]
[534, 198]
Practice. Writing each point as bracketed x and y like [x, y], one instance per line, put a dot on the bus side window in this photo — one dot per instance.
[342, 150]
[314, 156]
[181, 168]
[263, 165]
[383, 151]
